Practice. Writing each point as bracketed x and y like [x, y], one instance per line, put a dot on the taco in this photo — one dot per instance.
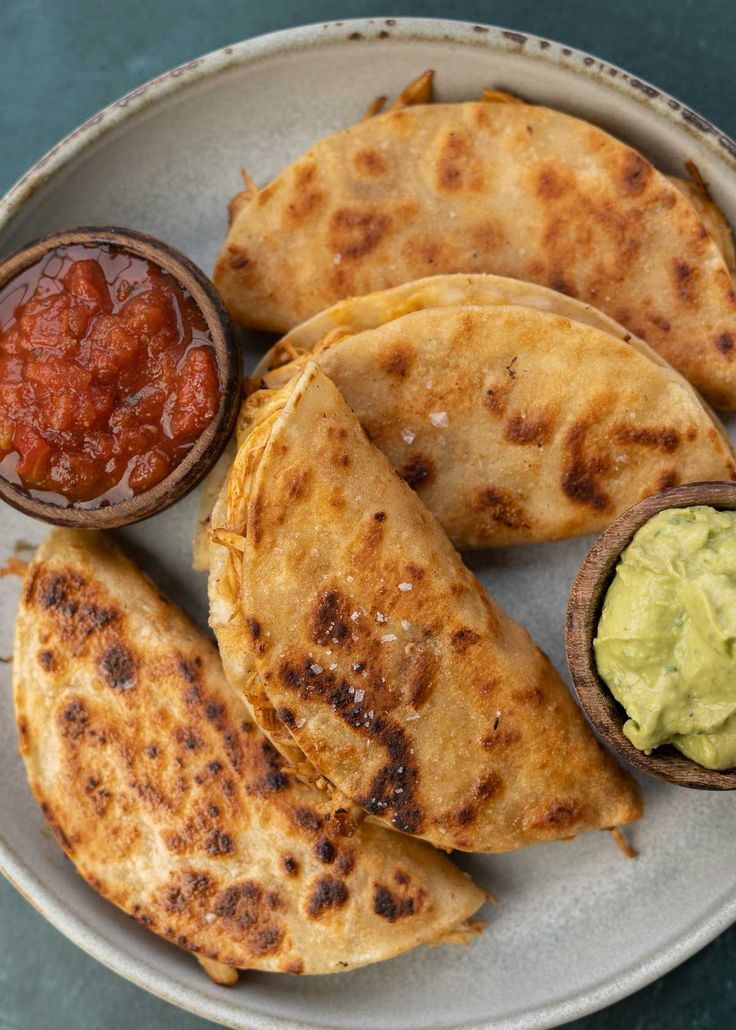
[172, 804]
[363, 643]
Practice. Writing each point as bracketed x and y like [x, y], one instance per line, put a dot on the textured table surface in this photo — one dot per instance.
[60, 61]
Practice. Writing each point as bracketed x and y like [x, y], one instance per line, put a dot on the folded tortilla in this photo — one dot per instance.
[342, 610]
[173, 805]
[509, 188]
[514, 421]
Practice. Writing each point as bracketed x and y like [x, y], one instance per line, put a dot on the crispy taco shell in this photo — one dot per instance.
[172, 804]
[514, 422]
[509, 188]
[384, 662]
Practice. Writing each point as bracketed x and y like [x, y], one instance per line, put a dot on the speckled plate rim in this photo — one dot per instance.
[123, 961]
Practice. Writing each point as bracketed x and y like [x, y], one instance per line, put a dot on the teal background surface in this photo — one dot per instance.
[62, 60]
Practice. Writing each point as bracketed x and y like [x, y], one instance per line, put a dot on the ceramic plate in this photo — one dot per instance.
[579, 925]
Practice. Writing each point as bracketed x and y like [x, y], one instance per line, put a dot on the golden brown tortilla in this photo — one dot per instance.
[340, 604]
[514, 189]
[172, 804]
[514, 424]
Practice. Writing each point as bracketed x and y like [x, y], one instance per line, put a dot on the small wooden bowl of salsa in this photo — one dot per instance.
[120, 377]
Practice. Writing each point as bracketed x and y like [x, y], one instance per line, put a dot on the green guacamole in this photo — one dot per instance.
[666, 643]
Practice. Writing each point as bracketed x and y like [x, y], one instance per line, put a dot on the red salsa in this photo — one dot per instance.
[107, 376]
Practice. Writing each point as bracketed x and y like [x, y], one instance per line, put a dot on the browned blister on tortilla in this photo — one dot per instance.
[174, 806]
[400, 681]
[512, 189]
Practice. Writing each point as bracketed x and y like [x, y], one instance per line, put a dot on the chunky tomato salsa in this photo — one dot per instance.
[107, 376]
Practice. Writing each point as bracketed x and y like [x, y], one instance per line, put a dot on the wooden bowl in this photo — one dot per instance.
[583, 613]
[209, 445]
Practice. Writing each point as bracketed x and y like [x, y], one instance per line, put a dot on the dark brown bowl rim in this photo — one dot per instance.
[210, 444]
[606, 715]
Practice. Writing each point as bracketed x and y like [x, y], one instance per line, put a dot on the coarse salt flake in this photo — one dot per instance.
[316, 669]
[210, 917]
[300, 722]
[359, 695]
[380, 617]
[439, 419]
[388, 637]
[408, 436]
[411, 718]
[405, 624]
[355, 616]
[405, 586]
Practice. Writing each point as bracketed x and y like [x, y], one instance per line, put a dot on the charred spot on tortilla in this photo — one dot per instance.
[421, 679]
[290, 864]
[271, 777]
[462, 639]
[418, 471]
[636, 173]
[324, 850]
[118, 667]
[74, 719]
[307, 819]
[345, 862]
[212, 710]
[392, 792]
[495, 399]
[725, 343]
[327, 893]
[458, 168]
[667, 479]
[389, 906]
[55, 827]
[581, 471]
[297, 484]
[666, 438]
[501, 507]
[246, 913]
[685, 278]
[183, 887]
[238, 257]
[398, 361]
[330, 618]
[306, 197]
[370, 163]
[466, 812]
[550, 183]
[53, 589]
[218, 843]
[498, 739]
[528, 428]
[189, 668]
[560, 814]
[354, 234]
[46, 660]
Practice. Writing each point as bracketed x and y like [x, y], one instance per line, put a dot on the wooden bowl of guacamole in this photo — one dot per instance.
[651, 635]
